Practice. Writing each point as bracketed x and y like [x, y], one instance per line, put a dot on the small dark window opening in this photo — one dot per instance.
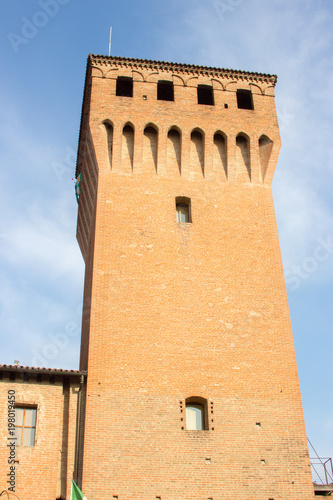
[183, 209]
[244, 99]
[12, 376]
[39, 378]
[165, 91]
[124, 86]
[205, 95]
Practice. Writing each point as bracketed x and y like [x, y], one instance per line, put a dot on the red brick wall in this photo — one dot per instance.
[187, 310]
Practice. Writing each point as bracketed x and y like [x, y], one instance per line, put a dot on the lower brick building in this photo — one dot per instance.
[37, 460]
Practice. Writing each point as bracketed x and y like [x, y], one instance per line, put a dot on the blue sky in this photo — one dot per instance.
[44, 47]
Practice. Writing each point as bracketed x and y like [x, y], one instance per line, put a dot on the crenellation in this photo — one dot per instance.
[177, 68]
[161, 115]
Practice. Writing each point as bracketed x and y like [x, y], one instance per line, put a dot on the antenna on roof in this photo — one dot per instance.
[110, 41]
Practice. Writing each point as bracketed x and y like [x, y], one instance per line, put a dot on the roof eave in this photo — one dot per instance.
[45, 371]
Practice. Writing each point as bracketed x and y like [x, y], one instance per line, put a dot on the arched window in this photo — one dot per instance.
[183, 209]
[196, 414]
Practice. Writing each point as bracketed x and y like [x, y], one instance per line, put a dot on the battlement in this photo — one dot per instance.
[175, 121]
[218, 112]
[145, 64]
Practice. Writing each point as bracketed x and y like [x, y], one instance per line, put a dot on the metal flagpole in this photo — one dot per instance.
[110, 41]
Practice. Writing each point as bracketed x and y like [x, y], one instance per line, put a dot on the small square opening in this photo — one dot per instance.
[205, 95]
[244, 99]
[124, 87]
[165, 91]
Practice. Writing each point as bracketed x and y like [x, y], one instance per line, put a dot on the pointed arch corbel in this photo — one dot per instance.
[265, 145]
[243, 159]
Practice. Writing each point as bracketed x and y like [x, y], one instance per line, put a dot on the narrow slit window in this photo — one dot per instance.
[244, 99]
[205, 95]
[183, 209]
[25, 425]
[165, 91]
[124, 86]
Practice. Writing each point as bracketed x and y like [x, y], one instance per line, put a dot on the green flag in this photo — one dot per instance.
[76, 493]
[78, 187]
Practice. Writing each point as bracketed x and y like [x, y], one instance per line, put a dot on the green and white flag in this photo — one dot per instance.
[76, 493]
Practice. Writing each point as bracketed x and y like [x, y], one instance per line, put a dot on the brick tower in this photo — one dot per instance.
[192, 388]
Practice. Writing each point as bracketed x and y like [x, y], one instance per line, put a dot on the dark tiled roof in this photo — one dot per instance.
[179, 66]
[49, 371]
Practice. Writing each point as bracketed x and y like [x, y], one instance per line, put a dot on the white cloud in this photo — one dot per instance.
[42, 245]
[42, 278]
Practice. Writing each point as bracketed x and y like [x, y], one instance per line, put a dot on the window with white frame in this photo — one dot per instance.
[196, 414]
[183, 209]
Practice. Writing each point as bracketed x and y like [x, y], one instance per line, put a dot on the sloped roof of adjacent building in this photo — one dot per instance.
[42, 370]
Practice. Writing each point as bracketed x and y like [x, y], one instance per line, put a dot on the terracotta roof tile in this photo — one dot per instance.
[38, 369]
